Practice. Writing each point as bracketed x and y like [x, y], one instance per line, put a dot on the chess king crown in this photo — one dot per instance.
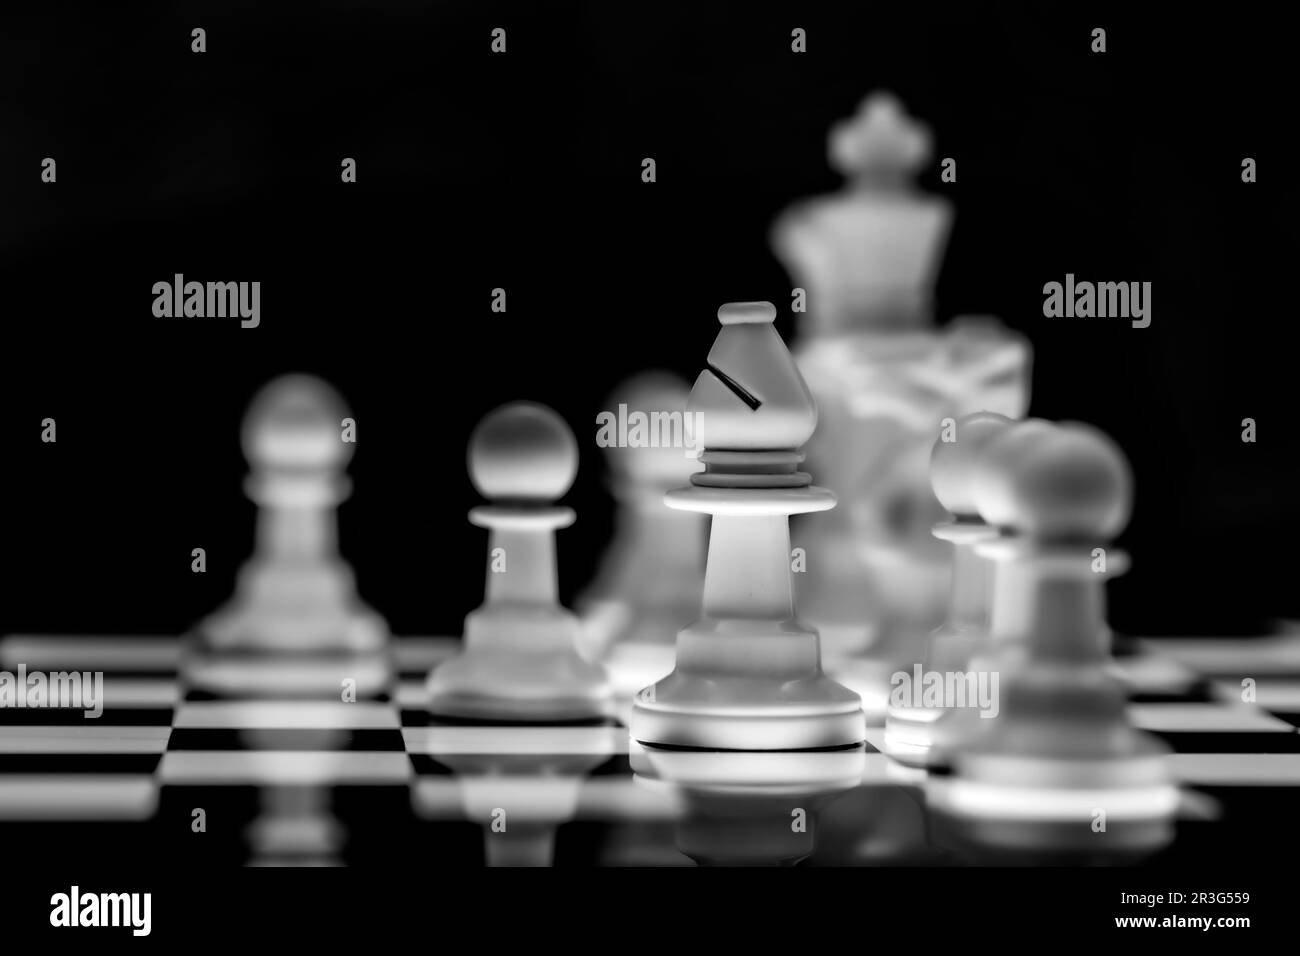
[868, 256]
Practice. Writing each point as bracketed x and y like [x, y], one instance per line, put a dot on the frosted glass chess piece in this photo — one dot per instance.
[650, 577]
[884, 377]
[870, 255]
[520, 659]
[1002, 646]
[1061, 747]
[748, 673]
[898, 403]
[946, 663]
[295, 626]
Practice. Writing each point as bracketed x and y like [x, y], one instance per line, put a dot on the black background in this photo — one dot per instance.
[523, 171]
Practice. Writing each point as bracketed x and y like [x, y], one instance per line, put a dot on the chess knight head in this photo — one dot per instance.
[752, 408]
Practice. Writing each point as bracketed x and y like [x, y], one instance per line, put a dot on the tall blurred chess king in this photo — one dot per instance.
[884, 378]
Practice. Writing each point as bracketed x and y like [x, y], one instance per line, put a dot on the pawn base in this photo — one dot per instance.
[247, 675]
[1133, 787]
[292, 627]
[256, 651]
[520, 662]
[490, 685]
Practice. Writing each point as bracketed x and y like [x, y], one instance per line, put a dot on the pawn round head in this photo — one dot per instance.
[1066, 482]
[295, 423]
[523, 451]
[953, 458]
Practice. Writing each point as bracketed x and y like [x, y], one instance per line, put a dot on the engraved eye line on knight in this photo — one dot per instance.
[1098, 300]
[208, 300]
[655, 429]
[946, 689]
[58, 690]
[75, 909]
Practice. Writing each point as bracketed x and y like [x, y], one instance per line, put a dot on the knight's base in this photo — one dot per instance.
[702, 714]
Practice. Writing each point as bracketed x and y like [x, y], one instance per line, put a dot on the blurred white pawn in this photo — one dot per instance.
[949, 649]
[649, 584]
[520, 660]
[1003, 646]
[295, 626]
[1061, 748]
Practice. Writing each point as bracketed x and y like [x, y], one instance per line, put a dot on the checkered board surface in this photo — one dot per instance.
[137, 774]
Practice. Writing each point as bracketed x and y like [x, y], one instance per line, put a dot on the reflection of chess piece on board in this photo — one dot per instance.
[884, 379]
[748, 809]
[295, 626]
[520, 786]
[520, 660]
[876, 824]
[869, 256]
[1061, 747]
[295, 828]
[949, 649]
[648, 587]
[748, 674]
[990, 841]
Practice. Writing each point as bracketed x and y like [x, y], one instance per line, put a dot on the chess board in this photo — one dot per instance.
[294, 782]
